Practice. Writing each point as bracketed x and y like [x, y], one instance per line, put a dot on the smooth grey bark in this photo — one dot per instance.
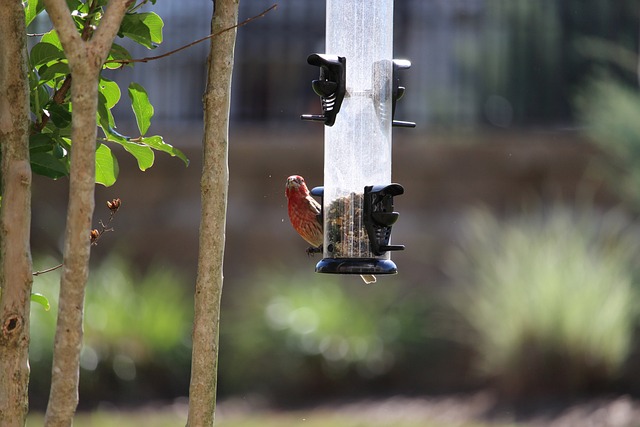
[214, 190]
[85, 62]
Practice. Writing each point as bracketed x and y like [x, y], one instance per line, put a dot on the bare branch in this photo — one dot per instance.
[47, 270]
[95, 234]
[210, 36]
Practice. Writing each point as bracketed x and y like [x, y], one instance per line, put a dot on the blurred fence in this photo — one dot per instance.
[505, 62]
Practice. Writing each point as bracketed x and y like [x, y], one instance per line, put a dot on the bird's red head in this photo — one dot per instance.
[295, 184]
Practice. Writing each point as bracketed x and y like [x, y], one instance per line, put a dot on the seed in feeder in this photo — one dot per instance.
[346, 230]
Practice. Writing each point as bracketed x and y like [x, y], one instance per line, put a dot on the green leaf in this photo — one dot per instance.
[60, 116]
[105, 118]
[64, 142]
[33, 8]
[74, 4]
[43, 52]
[60, 152]
[141, 106]
[42, 300]
[111, 92]
[155, 25]
[157, 143]
[47, 164]
[53, 71]
[52, 38]
[117, 53]
[42, 96]
[106, 166]
[143, 154]
[40, 142]
[143, 28]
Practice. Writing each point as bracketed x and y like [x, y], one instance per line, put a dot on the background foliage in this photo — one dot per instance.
[549, 299]
[137, 328]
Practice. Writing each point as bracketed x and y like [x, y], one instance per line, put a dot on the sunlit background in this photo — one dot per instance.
[519, 280]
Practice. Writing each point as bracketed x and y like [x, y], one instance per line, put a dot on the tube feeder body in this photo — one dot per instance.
[358, 145]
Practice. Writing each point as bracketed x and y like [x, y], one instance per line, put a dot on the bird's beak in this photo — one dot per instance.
[292, 182]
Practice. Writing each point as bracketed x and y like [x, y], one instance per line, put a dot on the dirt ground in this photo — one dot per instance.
[473, 409]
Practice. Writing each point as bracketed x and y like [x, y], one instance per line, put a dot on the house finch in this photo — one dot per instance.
[303, 213]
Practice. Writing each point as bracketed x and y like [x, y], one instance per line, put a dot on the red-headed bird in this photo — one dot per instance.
[303, 213]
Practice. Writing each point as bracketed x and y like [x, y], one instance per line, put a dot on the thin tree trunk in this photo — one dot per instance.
[63, 397]
[15, 216]
[214, 189]
[85, 62]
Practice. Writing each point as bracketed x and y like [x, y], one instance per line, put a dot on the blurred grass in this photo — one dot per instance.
[550, 298]
[137, 330]
[285, 334]
[125, 312]
[297, 333]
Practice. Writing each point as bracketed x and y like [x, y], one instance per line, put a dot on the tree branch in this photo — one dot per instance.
[47, 270]
[60, 16]
[181, 48]
[102, 39]
[95, 235]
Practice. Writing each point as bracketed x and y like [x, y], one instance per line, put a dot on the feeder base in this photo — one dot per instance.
[356, 266]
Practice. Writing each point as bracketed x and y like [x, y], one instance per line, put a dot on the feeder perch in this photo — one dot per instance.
[379, 216]
[358, 86]
[330, 87]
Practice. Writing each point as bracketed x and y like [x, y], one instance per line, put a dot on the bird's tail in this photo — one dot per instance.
[368, 278]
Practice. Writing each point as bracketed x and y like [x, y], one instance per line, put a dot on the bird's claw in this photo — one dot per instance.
[311, 250]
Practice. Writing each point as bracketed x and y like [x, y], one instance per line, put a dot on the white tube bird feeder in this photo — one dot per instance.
[358, 87]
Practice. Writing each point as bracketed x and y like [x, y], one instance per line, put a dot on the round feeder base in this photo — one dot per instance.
[356, 266]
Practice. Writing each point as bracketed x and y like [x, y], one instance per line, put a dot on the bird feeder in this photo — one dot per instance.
[358, 87]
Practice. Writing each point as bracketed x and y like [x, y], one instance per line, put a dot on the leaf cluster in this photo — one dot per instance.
[50, 101]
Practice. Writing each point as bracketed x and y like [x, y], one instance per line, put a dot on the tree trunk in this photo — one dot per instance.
[214, 189]
[85, 62]
[63, 398]
[15, 216]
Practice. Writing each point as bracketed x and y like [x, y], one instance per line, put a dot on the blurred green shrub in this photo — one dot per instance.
[609, 110]
[548, 298]
[137, 332]
[298, 331]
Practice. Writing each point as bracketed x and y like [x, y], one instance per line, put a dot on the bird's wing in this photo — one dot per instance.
[313, 203]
